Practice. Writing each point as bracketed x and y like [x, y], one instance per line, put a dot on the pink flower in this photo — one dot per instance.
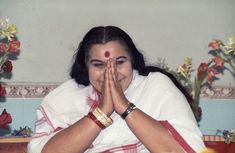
[211, 74]
[14, 46]
[3, 47]
[218, 62]
[7, 66]
[2, 91]
[201, 69]
[5, 119]
[215, 44]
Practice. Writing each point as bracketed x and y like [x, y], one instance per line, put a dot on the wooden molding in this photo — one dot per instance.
[40, 90]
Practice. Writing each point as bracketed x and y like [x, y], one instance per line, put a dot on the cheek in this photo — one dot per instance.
[126, 71]
[93, 74]
[96, 77]
[130, 73]
[128, 68]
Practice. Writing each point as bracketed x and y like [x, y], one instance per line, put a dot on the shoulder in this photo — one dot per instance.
[159, 79]
[156, 82]
[65, 94]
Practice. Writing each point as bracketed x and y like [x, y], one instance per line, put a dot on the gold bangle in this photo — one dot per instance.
[106, 118]
[102, 117]
[94, 119]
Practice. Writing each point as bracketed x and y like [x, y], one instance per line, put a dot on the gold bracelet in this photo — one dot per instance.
[102, 117]
[94, 119]
[106, 118]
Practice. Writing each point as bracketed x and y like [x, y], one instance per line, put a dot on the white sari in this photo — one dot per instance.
[155, 94]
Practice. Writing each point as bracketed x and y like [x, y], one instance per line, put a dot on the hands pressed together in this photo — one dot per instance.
[113, 98]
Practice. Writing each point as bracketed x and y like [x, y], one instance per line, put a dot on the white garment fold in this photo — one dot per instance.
[155, 94]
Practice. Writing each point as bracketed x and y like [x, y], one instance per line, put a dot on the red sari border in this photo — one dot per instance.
[177, 137]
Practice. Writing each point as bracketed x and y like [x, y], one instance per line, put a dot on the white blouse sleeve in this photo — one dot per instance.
[44, 130]
[59, 109]
[176, 110]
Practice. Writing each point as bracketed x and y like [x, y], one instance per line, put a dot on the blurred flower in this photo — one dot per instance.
[185, 68]
[230, 48]
[218, 61]
[225, 53]
[23, 132]
[14, 46]
[6, 29]
[5, 119]
[3, 47]
[201, 70]
[207, 72]
[211, 73]
[229, 136]
[215, 44]
[7, 66]
[9, 46]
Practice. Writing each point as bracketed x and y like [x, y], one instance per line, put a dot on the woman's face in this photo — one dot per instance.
[97, 61]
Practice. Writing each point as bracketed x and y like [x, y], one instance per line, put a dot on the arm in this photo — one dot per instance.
[148, 130]
[76, 138]
[48, 138]
[151, 133]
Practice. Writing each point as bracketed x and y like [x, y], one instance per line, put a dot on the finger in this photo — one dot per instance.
[107, 94]
[106, 103]
[114, 71]
[104, 85]
[115, 74]
[111, 78]
[116, 87]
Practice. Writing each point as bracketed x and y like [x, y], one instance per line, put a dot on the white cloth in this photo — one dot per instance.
[154, 94]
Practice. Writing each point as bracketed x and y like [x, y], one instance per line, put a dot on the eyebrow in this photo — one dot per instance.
[120, 57]
[97, 60]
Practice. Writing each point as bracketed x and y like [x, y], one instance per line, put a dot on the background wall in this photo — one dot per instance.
[51, 30]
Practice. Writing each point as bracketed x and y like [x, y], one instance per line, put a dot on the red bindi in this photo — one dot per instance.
[107, 54]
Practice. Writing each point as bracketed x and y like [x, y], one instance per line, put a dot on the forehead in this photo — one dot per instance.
[113, 47]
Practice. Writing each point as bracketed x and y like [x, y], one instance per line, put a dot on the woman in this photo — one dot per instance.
[114, 103]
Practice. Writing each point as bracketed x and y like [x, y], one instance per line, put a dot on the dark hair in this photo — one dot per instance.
[102, 35]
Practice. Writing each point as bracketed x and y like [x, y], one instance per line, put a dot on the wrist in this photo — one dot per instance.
[122, 108]
[101, 119]
[128, 110]
[107, 111]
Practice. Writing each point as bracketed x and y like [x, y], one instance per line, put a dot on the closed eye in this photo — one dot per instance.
[121, 59]
[98, 64]
[119, 62]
